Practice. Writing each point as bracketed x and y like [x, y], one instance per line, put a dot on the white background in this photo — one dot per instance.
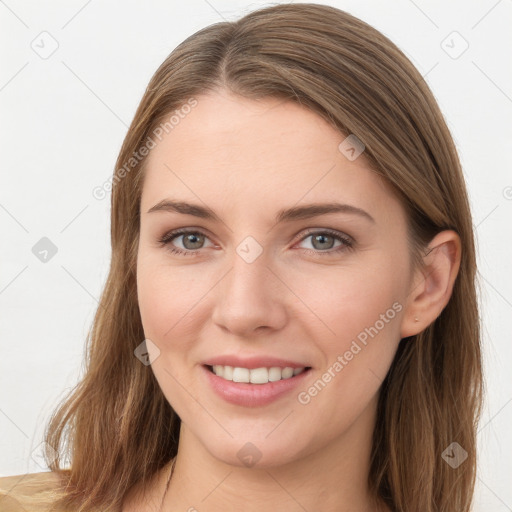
[63, 119]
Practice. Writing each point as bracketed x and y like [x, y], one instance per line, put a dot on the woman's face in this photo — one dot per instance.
[306, 288]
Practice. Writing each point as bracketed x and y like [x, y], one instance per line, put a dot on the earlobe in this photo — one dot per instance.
[432, 285]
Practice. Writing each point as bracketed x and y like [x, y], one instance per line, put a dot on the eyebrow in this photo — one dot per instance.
[286, 215]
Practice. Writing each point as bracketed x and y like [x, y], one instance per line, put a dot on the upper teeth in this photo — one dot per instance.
[256, 375]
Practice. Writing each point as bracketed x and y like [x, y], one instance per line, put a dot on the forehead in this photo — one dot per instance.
[255, 154]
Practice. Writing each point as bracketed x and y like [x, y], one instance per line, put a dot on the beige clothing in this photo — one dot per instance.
[31, 492]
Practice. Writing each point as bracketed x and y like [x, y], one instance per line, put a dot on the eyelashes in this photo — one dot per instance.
[318, 235]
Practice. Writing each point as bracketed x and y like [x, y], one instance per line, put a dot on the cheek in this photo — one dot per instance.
[169, 301]
[346, 301]
[155, 296]
[167, 313]
[363, 309]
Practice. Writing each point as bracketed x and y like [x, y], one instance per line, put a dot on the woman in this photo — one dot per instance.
[236, 363]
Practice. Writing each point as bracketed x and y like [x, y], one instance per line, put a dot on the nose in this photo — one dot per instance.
[250, 297]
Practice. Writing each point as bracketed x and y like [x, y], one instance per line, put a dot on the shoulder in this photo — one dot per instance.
[29, 492]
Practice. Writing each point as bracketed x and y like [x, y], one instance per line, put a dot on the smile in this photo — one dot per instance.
[255, 375]
[253, 387]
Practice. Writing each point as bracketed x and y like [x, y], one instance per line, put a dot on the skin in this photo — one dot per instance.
[246, 160]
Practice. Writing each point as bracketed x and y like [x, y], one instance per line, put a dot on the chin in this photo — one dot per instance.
[258, 454]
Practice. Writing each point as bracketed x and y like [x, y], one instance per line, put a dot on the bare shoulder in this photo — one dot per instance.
[29, 492]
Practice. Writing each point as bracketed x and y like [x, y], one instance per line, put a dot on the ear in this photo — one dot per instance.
[432, 285]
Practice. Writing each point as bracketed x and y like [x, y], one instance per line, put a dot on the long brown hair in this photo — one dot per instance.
[117, 428]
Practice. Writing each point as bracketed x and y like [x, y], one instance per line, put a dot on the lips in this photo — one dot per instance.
[248, 394]
[254, 362]
[259, 390]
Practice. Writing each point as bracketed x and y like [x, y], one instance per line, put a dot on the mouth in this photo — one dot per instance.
[257, 376]
[253, 387]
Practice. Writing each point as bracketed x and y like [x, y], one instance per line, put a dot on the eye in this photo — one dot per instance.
[323, 240]
[191, 240]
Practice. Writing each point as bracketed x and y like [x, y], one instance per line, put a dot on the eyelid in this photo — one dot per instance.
[171, 235]
[347, 241]
[334, 232]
